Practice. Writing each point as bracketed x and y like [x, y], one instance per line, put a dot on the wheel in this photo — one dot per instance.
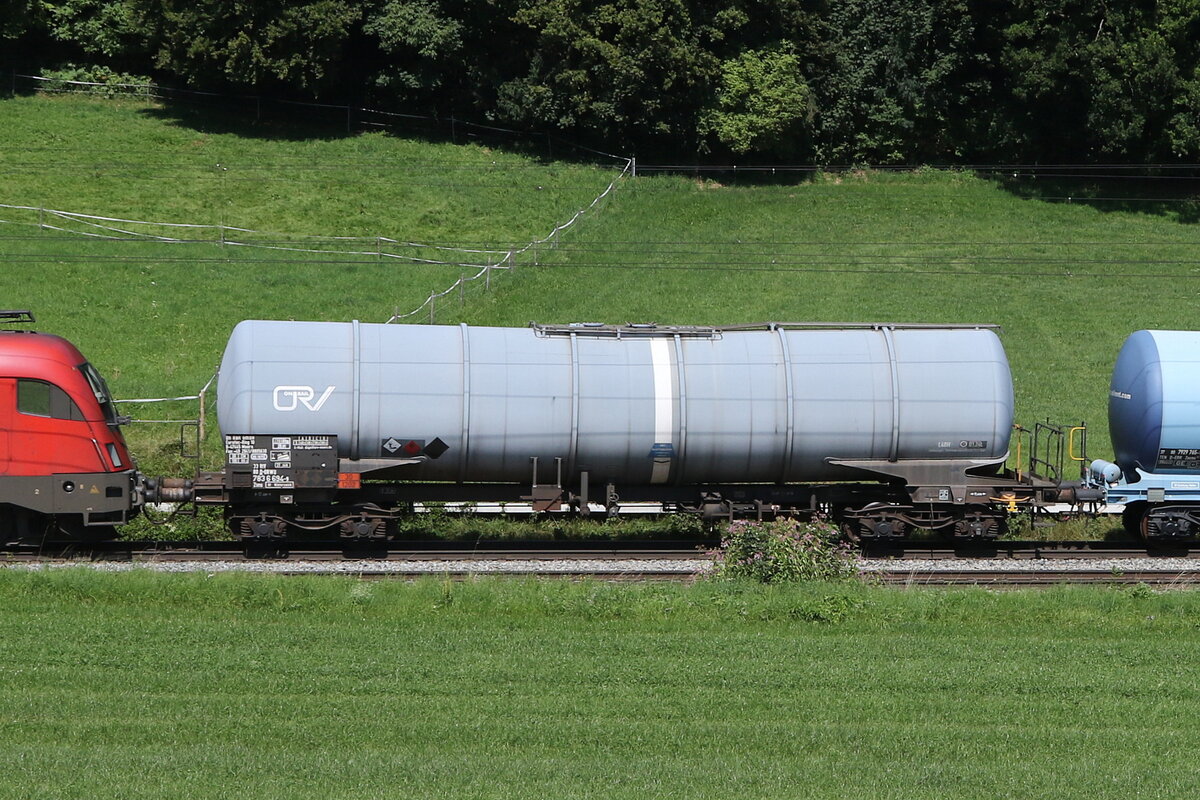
[977, 526]
[1133, 519]
[18, 525]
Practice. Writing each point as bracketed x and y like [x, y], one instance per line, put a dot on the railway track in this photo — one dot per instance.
[937, 564]
[644, 549]
[307, 551]
[1011, 579]
[934, 551]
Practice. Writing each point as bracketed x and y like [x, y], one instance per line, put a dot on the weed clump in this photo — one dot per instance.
[108, 83]
[783, 551]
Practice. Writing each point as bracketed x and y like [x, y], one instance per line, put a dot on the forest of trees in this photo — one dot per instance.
[824, 81]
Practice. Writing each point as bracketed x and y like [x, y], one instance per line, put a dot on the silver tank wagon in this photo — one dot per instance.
[644, 405]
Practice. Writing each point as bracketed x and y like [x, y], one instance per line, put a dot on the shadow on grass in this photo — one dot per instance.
[241, 117]
[1170, 193]
[284, 121]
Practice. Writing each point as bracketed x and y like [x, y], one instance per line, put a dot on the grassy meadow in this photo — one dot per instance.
[1066, 280]
[142, 685]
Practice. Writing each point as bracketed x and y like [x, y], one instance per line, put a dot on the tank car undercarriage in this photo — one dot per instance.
[1178, 521]
[368, 511]
[276, 487]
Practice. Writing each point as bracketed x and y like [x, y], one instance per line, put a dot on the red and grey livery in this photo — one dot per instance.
[63, 461]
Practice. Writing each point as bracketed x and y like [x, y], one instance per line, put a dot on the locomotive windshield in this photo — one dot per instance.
[100, 389]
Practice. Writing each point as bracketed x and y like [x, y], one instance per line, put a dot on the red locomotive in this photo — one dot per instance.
[64, 465]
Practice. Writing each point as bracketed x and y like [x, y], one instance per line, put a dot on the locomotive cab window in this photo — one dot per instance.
[41, 399]
[100, 389]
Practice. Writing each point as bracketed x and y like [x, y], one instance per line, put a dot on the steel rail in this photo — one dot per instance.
[437, 551]
[676, 548]
[1031, 549]
[1015, 579]
[686, 560]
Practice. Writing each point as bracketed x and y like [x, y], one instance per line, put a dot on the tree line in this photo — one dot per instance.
[823, 81]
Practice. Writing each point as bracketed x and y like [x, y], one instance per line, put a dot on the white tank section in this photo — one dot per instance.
[769, 403]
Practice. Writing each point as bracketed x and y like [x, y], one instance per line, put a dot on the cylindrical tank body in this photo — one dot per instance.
[1154, 403]
[633, 405]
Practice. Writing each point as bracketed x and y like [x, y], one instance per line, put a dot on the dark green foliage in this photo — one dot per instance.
[901, 75]
[418, 41]
[101, 28]
[112, 83]
[616, 68]
[1096, 80]
[264, 45]
[17, 17]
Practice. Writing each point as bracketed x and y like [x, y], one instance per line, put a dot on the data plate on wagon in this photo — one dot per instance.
[261, 461]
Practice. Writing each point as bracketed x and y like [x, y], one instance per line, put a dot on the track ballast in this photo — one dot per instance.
[988, 564]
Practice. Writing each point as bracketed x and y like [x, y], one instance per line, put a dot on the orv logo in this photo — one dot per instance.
[290, 398]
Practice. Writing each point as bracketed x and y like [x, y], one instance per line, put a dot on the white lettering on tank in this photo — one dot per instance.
[290, 398]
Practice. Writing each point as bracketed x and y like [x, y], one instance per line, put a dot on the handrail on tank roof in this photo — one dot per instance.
[694, 331]
[938, 326]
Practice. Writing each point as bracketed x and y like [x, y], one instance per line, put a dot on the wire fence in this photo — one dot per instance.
[528, 254]
[476, 265]
[124, 229]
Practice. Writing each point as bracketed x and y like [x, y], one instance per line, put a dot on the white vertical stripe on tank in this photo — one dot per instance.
[664, 410]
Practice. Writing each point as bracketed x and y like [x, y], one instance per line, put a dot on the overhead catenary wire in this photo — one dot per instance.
[961, 267]
[655, 245]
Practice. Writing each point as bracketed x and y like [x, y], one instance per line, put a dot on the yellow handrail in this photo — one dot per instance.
[1071, 443]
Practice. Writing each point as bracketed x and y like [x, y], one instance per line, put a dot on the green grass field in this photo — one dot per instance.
[198, 686]
[1067, 281]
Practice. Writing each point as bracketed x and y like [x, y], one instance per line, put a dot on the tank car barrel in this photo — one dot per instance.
[634, 405]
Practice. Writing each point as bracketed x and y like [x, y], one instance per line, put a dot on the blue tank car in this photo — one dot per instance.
[1154, 421]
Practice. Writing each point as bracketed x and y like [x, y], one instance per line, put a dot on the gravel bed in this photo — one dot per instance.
[1030, 565]
[433, 567]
